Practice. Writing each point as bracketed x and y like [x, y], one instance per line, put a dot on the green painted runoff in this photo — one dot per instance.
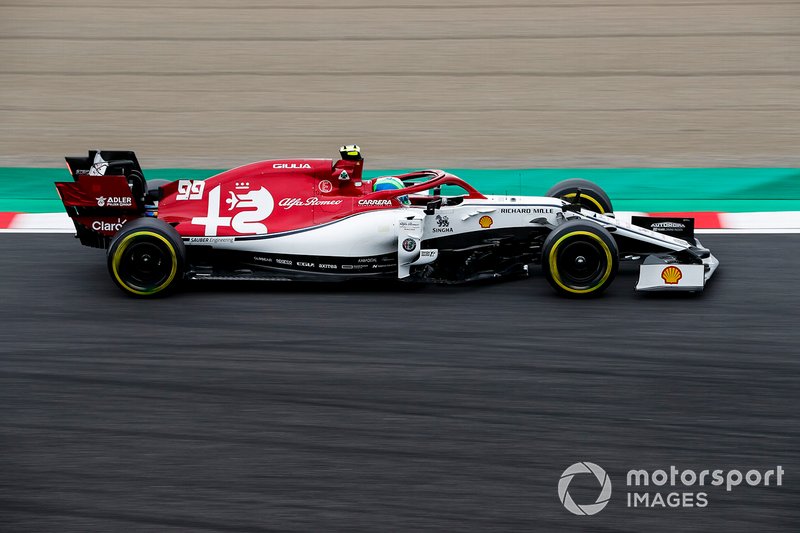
[31, 190]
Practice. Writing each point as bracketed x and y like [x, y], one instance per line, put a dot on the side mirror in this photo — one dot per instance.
[432, 206]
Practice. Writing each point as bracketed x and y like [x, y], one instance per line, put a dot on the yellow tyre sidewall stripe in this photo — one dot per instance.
[590, 198]
[118, 257]
[554, 265]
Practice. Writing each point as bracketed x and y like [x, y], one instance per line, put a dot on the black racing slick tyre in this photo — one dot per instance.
[146, 258]
[580, 259]
[593, 197]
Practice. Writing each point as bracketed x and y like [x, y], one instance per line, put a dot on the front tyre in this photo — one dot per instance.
[593, 197]
[146, 258]
[580, 259]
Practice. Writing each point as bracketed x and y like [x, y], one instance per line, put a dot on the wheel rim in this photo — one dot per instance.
[145, 263]
[581, 263]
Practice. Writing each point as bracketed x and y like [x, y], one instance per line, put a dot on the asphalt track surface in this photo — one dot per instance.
[326, 407]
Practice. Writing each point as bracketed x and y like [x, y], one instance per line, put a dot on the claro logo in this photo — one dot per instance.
[102, 225]
[291, 165]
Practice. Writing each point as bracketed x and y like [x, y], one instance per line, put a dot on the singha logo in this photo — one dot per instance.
[443, 224]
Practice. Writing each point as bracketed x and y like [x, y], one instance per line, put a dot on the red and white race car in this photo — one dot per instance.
[316, 219]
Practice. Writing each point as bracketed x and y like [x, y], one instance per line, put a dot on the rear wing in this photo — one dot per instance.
[108, 189]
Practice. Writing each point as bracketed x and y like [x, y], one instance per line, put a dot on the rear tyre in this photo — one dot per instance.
[593, 197]
[580, 259]
[146, 258]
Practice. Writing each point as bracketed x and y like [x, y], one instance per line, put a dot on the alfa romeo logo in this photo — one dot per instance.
[584, 468]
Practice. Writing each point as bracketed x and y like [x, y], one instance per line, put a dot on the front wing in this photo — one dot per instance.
[682, 266]
[661, 273]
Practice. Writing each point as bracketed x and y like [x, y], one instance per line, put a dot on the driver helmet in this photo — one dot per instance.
[390, 183]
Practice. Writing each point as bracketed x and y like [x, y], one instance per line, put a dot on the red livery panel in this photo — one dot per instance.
[266, 197]
[269, 197]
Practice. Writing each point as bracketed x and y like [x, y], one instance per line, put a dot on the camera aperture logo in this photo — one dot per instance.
[584, 468]
[663, 488]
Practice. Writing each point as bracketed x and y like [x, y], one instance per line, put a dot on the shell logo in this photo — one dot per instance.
[671, 275]
[486, 221]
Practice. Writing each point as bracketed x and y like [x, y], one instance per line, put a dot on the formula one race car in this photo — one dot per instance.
[316, 219]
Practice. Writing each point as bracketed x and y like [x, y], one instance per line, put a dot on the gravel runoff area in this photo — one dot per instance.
[213, 83]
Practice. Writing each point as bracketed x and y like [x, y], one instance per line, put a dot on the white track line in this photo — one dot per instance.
[36, 230]
[772, 223]
[734, 231]
[746, 231]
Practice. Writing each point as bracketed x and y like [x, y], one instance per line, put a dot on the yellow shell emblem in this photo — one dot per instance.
[671, 275]
[486, 222]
